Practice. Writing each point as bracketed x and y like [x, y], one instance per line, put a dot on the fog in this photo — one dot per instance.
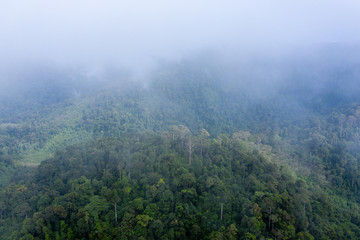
[136, 34]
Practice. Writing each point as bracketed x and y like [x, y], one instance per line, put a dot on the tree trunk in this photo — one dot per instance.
[115, 209]
[191, 148]
[221, 212]
[243, 175]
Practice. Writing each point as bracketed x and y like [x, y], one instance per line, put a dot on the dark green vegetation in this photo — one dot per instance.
[192, 154]
[143, 186]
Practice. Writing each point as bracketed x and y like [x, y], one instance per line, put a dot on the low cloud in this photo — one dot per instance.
[135, 34]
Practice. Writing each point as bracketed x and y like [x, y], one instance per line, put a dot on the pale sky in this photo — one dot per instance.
[134, 33]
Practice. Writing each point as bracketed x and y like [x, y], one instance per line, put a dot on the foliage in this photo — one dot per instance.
[189, 156]
[160, 196]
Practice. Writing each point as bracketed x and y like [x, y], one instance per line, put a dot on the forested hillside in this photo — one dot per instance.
[153, 187]
[191, 152]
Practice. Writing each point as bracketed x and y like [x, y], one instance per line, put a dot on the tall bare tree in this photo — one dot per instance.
[183, 132]
[190, 147]
[114, 198]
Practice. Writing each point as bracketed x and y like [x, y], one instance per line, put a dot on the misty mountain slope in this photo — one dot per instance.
[193, 93]
[295, 115]
[301, 161]
[112, 110]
